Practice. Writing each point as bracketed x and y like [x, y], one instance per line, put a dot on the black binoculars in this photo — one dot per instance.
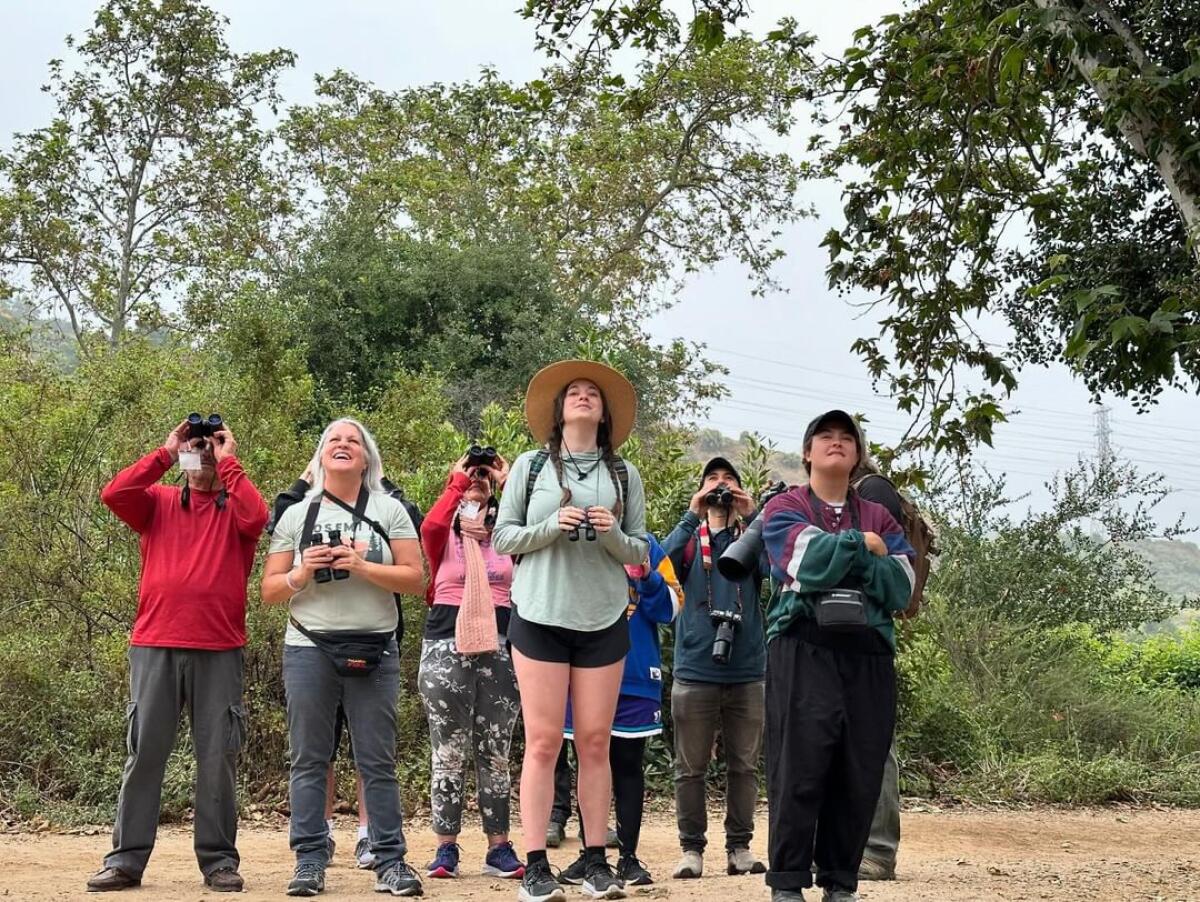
[586, 527]
[333, 539]
[200, 427]
[720, 496]
[481, 456]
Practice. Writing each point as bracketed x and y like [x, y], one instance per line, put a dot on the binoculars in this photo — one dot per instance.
[588, 530]
[333, 538]
[481, 456]
[201, 427]
[720, 496]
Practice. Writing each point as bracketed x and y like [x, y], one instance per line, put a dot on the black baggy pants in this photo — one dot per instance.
[831, 709]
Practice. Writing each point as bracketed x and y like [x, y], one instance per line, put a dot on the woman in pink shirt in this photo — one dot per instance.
[466, 677]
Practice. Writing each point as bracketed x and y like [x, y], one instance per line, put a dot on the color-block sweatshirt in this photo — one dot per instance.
[806, 558]
[653, 600]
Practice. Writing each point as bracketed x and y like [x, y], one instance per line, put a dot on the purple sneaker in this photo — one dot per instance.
[445, 862]
[502, 861]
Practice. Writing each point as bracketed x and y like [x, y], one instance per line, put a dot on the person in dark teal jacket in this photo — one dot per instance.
[708, 696]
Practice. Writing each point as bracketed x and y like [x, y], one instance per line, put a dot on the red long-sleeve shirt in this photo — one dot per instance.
[195, 562]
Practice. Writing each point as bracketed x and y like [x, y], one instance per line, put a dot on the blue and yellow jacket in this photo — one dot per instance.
[656, 599]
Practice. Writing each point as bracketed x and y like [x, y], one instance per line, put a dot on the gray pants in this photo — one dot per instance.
[471, 702]
[698, 711]
[314, 689]
[163, 682]
[884, 841]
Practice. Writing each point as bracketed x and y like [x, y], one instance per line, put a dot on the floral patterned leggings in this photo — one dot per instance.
[472, 703]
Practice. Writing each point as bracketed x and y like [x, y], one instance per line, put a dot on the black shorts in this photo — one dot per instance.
[339, 724]
[579, 648]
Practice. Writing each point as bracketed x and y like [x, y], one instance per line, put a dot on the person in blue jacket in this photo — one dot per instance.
[655, 597]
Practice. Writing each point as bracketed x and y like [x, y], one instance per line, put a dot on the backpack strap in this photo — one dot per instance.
[535, 469]
[622, 477]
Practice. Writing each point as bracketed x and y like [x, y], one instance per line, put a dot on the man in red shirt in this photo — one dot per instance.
[197, 547]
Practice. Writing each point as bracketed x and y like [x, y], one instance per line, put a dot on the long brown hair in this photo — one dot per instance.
[603, 442]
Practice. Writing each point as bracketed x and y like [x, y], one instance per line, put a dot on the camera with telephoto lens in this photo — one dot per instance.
[203, 427]
[726, 623]
[741, 556]
[333, 539]
[589, 531]
[720, 496]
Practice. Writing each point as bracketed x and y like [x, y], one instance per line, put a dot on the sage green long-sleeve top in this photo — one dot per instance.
[577, 585]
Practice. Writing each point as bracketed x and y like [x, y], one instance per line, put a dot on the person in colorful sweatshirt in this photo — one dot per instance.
[841, 568]
[655, 598]
[197, 546]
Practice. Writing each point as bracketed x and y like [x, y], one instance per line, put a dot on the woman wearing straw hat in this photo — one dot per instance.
[575, 512]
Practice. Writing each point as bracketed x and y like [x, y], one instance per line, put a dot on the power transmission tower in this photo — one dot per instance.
[1104, 450]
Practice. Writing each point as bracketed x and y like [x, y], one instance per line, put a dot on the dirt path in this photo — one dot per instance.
[960, 855]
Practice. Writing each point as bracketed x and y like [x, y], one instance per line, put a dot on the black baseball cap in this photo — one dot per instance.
[834, 416]
[720, 463]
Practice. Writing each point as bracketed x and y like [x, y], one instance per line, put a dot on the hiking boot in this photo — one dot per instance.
[401, 880]
[332, 843]
[108, 880]
[363, 854]
[539, 885]
[873, 869]
[225, 880]
[555, 834]
[576, 871]
[741, 861]
[502, 861]
[690, 866]
[839, 895]
[600, 882]
[308, 880]
[445, 861]
[632, 872]
[787, 895]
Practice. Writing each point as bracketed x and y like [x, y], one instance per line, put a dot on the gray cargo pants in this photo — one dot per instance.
[884, 841]
[698, 712]
[163, 682]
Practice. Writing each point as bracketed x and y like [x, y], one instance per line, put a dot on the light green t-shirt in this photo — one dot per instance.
[577, 585]
[347, 604]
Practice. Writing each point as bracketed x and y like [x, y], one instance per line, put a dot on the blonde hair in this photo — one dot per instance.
[372, 477]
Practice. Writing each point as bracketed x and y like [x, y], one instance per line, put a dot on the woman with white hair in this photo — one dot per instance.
[336, 559]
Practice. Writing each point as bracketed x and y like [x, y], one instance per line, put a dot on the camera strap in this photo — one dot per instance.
[704, 538]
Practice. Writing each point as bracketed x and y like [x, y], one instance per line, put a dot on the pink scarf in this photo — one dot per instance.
[475, 628]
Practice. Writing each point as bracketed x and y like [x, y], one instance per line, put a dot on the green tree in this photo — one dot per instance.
[151, 182]
[1035, 160]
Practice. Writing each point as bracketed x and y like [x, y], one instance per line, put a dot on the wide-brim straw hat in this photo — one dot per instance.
[619, 396]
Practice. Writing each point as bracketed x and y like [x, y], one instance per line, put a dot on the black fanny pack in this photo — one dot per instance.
[841, 609]
[352, 653]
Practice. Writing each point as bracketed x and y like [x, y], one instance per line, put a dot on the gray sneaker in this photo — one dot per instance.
[308, 880]
[555, 834]
[690, 866]
[839, 895]
[742, 861]
[399, 880]
[872, 869]
[787, 895]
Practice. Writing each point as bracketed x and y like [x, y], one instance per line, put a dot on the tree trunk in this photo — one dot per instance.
[1181, 179]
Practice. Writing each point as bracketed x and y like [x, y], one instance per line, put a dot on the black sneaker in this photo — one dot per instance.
[632, 872]
[576, 872]
[539, 885]
[308, 880]
[600, 883]
[399, 880]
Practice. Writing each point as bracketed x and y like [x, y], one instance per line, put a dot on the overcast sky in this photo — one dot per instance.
[788, 353]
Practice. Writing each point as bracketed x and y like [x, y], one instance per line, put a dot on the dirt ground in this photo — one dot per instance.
[955, 855]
